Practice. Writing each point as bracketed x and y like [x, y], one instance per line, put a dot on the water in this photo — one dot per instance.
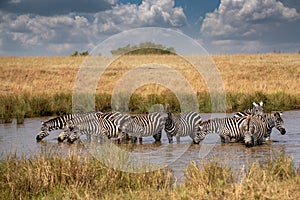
[20, 139]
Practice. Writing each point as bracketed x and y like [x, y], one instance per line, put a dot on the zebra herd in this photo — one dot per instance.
[252, 126]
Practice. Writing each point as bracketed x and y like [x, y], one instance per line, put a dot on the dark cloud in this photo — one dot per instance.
[54, 7]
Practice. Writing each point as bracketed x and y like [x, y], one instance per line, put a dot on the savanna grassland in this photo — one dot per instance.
[39, 86]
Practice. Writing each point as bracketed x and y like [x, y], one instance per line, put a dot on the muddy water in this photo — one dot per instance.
[20, 139]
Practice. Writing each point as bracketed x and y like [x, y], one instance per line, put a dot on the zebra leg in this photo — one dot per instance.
[157, 137]
[225, 138]
[177, 138]
[170, 137]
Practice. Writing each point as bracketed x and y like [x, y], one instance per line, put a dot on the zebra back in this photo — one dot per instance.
[227, 128]
[111, 123]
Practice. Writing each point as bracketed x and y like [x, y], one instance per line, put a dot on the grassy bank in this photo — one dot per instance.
[25, 106]
[76, 177]
[39, 86]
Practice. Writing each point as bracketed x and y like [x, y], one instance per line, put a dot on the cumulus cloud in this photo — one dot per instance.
[241, 18]
[67, 31]
[149, 13]
[255, 21]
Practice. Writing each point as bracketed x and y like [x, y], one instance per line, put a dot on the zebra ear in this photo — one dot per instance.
[255, 104]
[261, 103]
[277, 114]
[161, 107]
[167, 108]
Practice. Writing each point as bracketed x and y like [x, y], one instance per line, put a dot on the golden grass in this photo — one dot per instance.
[82, 177]
[265, 73]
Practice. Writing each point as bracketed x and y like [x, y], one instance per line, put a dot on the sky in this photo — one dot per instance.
[61, 27]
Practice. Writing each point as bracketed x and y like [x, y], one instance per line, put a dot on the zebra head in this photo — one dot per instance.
[43, 133]
[66, 131]
[279, 124]
[274, 120]
[202, 131]
[169, 125]
[74, 135]
[257, 108]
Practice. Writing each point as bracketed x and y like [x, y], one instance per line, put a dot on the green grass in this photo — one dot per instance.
[48, 176]
[27, 105]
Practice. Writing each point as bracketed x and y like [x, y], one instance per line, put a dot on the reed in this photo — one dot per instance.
[48, 176]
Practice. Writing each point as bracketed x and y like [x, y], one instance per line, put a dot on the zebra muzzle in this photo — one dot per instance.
[282, 131]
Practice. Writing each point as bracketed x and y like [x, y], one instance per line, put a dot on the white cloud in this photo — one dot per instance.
[67, 31]
[149, 13]
[243, 17]
[252, 22]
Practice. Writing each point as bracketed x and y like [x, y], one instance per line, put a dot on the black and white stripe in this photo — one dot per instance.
[84, 124]
[271, 120]
[181, 125]
[54, 124]
[143, 125]
[227, 128]
[104, 125]
[274, 120]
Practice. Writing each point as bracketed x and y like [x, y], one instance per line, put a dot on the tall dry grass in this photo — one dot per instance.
[265, 73]
[34, 86]
[77, 177]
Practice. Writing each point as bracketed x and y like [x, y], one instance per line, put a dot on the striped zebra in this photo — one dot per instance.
[181, 125]
[104, 125]
[260, 126]
[256, 110]
[272, 120]
[256, 129]
[71, 127]
[227, 128]
[54, 124]
[143, 125]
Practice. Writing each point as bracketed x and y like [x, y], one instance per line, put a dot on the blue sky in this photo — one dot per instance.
[59, 27]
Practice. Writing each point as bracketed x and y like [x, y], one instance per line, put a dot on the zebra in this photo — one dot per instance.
[54, 124]
[100, 124]
[227, 128]
[143, 125]
[256, 110]
[185, 124]
[271, 120]
[260, 126]
[71, 126]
